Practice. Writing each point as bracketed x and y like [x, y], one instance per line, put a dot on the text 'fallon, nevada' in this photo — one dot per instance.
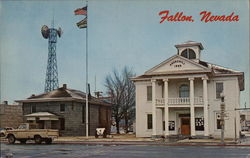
[205, 17]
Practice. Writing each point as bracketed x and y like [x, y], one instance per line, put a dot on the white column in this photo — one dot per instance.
[166, 106]
[205, 100]
[192, 120]
[153, 107]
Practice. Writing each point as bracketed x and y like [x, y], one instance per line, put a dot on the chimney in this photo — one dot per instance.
[64, 86]
[5, 102]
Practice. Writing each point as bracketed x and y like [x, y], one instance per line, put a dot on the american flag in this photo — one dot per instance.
[81, 11]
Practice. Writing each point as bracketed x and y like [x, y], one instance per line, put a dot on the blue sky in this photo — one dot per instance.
[120, 33]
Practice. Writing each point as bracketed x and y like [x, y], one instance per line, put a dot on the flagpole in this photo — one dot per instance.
[87, 104]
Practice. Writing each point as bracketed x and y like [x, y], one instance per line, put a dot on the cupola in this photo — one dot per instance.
[190, 50]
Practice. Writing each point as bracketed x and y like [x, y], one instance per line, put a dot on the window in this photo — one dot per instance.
[84, 113]
[184, 91]
[149, 121]
[33, 109]
[162, 91]
[62, 123]
[171, 125]
[218, 121]
[199, 124]
[62, 107]
[188, 53]
[219, 89]
[163, 125]
[149, 93]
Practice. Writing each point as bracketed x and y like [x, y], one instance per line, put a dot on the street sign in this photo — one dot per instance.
[247, 123]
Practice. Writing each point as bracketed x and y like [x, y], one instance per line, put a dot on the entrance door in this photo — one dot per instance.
[185, 126]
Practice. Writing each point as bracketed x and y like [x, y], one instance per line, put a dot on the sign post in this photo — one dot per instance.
[222, 117]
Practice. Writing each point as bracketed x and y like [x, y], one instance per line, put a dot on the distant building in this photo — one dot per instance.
[10, 115]
[245, 120]
[64, 109]
[181, 96]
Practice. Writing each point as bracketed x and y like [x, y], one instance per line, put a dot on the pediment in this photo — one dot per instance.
[177, 64]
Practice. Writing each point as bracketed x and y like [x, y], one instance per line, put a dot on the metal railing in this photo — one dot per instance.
[179, 101]
[160, 102]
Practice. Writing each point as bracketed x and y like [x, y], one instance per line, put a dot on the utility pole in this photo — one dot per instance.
[222, 117]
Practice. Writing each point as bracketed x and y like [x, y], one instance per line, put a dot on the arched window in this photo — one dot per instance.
[188, 53]
[184, 91]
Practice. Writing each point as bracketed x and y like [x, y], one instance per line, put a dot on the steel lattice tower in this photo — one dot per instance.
[51, 80]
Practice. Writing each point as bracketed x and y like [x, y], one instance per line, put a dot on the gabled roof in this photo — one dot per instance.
[64, 94]
[200, 66]
[205, 67]
[60, 93]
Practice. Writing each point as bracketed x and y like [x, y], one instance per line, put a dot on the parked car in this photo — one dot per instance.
[245, 128]
[4, 130]
[24, 133]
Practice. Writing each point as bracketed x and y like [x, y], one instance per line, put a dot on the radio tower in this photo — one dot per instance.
[51, 81]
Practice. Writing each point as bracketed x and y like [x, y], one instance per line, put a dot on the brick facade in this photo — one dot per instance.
[10, 115]
[74, 111]
[68, 106]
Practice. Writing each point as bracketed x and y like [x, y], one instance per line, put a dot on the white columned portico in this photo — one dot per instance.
[205, 98]
[192, 114]
[166, 106]
[154, 106]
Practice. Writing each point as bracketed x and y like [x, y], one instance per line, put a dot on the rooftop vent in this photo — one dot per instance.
[64, 86]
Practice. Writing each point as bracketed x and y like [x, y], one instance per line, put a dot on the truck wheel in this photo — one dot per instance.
[48, 141]
[23, 141]
[11, 139]
[38, 139]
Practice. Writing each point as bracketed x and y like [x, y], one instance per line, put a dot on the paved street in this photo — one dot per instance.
[123, 151]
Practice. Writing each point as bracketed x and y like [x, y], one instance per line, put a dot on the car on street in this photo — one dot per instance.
[4, 130]
[24, 133]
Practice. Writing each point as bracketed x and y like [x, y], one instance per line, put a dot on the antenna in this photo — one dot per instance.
[51, 80]
[53, 19]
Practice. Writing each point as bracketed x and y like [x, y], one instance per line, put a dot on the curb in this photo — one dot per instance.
[141, 143]
[150, 144]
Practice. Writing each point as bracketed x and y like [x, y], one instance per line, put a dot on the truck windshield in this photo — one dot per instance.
[22, 126]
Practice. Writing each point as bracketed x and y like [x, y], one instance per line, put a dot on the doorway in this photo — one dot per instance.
[185, 126]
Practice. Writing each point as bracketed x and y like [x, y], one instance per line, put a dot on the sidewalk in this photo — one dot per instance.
[130, 139]
[112, 138]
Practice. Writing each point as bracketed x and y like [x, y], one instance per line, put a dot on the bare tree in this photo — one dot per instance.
[129, 98]
[122, 92]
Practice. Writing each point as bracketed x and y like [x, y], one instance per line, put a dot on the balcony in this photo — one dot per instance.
[179, 101]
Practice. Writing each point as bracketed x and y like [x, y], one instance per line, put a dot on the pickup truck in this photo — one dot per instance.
[24, 133]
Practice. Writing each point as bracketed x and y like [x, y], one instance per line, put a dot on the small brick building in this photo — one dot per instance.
[10, 115]
[64, 109]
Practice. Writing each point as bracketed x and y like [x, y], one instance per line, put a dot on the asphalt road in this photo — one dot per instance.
[122, 151]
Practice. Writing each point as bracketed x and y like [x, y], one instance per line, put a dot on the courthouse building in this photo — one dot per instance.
[181, 96]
